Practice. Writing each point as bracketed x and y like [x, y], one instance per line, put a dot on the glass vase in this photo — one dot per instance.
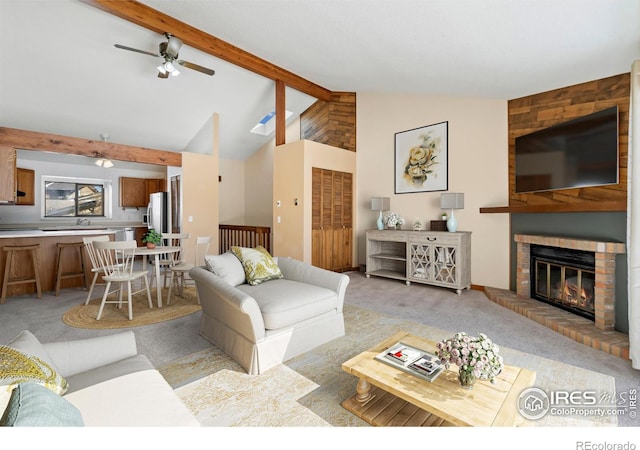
[466, 378]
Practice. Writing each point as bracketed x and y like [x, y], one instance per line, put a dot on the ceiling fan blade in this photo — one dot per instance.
[163, 75]
[196, 67]
[144, 52]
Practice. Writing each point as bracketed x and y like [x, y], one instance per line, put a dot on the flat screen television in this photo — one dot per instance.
[579, 153]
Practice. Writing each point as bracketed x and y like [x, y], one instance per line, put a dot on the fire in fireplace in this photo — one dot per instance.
[564, 278]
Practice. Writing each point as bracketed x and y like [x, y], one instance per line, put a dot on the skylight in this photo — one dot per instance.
[267, 124]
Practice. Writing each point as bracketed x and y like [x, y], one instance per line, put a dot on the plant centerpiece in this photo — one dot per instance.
[477, 358]
[393, 220]
[151, 238]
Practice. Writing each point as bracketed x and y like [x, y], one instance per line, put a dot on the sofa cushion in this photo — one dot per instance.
[227, 266]
[18, 367]
[27, 342]
[116, 369]
[285, 302]
[141, 399]
[32, 405]
[258, 264]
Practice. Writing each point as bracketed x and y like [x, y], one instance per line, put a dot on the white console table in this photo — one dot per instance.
[439, 258]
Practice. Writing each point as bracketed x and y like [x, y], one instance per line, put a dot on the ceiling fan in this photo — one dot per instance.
[169, 52]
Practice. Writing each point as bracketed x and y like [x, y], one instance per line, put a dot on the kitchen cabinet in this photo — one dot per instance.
[134, 192]
[8, 175]
[26, 180]
[439, 258]
[139, 234]
[331, 219]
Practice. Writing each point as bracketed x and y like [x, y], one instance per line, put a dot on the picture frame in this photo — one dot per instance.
[422, 159]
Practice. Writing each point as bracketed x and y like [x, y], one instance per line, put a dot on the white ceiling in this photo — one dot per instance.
[60, 72]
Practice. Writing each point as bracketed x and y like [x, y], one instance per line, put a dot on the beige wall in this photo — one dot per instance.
[232, 192]
[288, 226]
[247, 199]
[200, 187]
[477, 134]
[292, 177]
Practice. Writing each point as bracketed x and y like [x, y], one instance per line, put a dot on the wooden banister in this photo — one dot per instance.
[244, 236]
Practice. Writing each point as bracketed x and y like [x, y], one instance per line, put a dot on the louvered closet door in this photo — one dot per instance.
[332, 221]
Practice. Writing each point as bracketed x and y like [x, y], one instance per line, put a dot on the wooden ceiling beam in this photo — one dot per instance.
[161, 23]
[33, 140]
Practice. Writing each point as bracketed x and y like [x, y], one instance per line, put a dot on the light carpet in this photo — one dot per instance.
[308, 390]
[84, 316]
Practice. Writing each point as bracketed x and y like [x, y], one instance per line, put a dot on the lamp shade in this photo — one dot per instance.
[380, 204]
[452, 200]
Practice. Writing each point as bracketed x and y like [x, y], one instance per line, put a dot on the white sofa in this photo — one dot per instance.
[109, 382]
[261, 326]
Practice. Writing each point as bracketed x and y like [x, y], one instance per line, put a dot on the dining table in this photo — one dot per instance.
[156, 252]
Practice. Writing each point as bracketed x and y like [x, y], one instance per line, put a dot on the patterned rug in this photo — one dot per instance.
[82, 316]
[308, 390]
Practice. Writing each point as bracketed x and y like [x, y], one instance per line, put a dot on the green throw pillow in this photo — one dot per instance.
[257, 263]
[18, 367]
[32, 405]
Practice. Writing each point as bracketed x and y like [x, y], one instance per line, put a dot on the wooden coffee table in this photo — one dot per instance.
[386, 396]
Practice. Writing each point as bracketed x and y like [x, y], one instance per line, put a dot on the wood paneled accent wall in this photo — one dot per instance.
[331, 123]
[532, 113]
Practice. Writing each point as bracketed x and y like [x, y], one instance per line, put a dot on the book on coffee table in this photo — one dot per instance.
[412, 360]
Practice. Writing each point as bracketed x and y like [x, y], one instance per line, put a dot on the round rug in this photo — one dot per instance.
[82, 316]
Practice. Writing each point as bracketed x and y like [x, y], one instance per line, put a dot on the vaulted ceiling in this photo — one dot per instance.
[62, 74]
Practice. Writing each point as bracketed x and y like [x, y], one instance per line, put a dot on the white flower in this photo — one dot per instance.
[465, 351]
[392, 219]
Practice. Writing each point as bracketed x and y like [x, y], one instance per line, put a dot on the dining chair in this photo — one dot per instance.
[179, 270]
[169, 259]
[117, 259]
[96, 267]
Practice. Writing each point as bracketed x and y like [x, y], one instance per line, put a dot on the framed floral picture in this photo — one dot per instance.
[421, 159]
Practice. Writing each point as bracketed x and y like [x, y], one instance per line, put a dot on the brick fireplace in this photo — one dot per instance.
[598, 333]
[605, 270]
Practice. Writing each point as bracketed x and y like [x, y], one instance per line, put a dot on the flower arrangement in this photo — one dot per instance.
[392, 220]
[476, 357]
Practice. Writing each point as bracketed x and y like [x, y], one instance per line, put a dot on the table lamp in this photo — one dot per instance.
[380, 204]
[452, 200]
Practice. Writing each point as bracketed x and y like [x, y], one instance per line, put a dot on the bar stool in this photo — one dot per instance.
[10, 251]
[60, 275]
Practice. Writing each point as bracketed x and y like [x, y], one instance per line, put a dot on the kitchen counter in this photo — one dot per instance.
[48, 239]
[50, 232]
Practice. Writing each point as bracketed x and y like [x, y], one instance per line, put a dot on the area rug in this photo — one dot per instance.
[308, 390]
[82, 316]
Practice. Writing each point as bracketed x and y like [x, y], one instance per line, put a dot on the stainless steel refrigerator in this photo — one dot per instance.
[159, 213]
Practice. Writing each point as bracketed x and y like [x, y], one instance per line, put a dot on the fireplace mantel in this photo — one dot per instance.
[605, 253]
[572, 243]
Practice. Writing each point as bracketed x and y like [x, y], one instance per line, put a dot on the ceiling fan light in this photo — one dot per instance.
[175, 72]
[161, 69]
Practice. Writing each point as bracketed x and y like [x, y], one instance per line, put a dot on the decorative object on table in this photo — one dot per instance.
[438, 225]
[444, 216]
[380, 204]
[421, 159]
[452, 200]
[417, 225]
[412, 360]
[151, 238]
[393, 221]
[477, 358]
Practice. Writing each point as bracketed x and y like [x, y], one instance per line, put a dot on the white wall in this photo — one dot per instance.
[477, 158]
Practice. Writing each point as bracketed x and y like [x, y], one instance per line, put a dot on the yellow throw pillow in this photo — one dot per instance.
[257, 263]
[17, 367]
